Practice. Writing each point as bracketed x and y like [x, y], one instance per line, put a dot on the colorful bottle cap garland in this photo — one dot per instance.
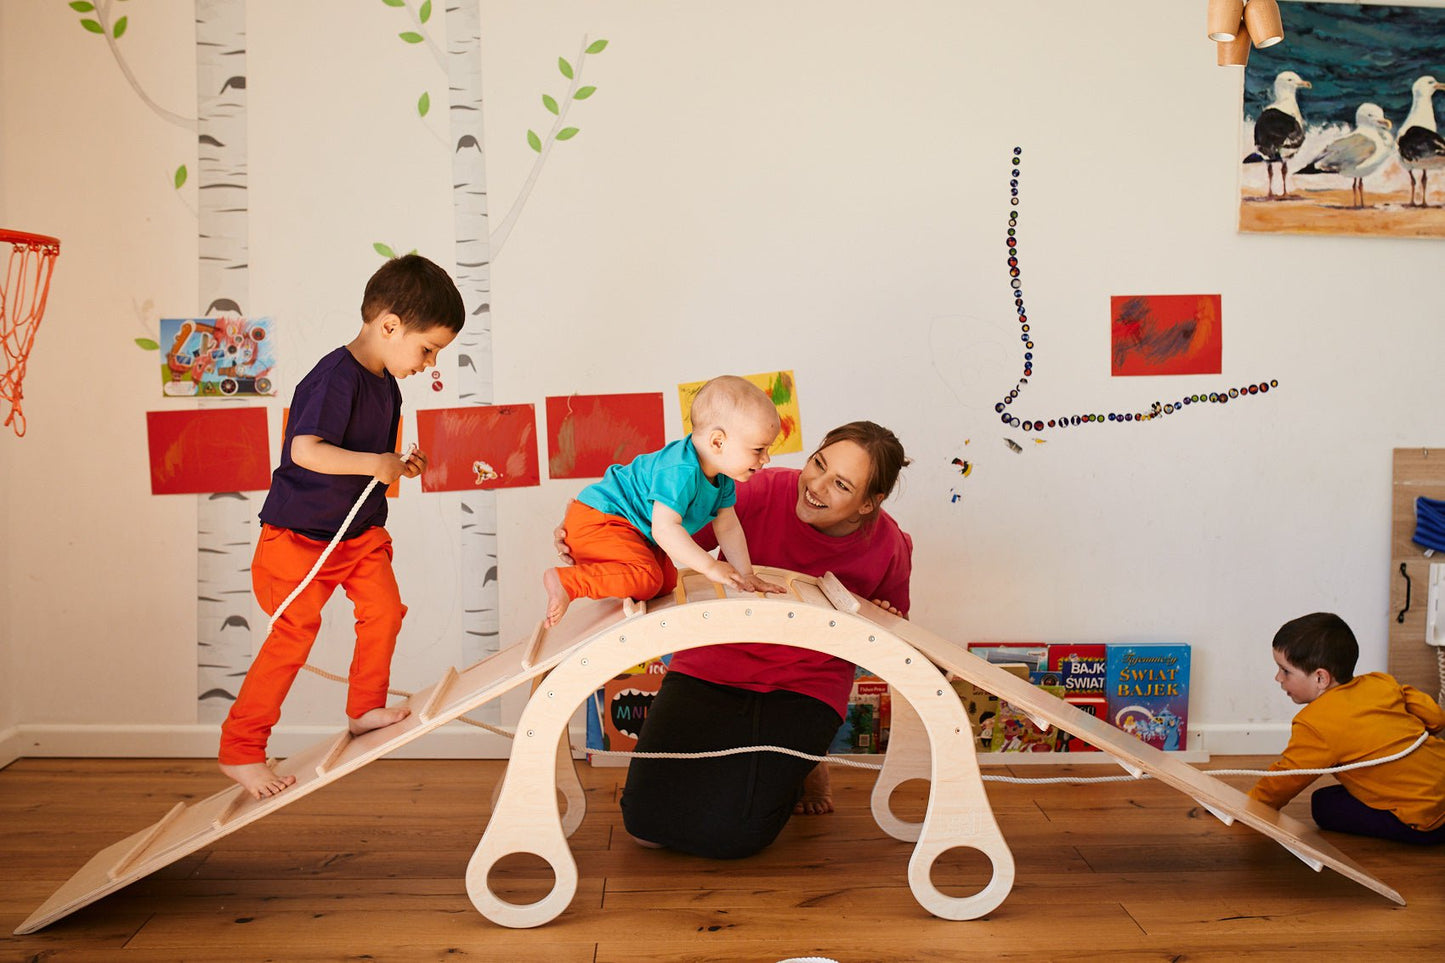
[1156, 410]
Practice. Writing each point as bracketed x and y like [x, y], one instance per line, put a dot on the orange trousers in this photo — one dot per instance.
[362, 567]
[612, 559]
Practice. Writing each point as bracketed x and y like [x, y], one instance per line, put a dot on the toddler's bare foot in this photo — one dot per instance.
[378, 718]
[557, 598]
[257, 778]
[817, 793]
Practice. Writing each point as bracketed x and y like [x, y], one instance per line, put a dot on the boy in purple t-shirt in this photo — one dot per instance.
[341, 433]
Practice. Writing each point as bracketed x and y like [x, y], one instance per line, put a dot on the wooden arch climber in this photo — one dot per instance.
[930, 739]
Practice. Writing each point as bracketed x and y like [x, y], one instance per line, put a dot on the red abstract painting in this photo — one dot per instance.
[210, 450]
[484, 446]
[587, 433]
[1166, 334]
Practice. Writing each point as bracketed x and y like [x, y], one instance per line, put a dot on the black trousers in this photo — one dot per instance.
[728, 807]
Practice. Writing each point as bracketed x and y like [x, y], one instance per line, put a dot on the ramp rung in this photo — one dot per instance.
[840, 597]
[232, 804]
[133, 855]
[534, 645]
[334, 753]
[1219, 814]
[435, 700]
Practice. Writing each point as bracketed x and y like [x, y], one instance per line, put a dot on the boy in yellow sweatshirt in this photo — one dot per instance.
[1348, 718]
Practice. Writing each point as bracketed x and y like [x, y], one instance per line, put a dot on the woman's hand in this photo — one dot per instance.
[559, 542]
[887, 607]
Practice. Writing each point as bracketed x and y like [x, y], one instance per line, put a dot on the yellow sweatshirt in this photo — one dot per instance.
[1368, 717]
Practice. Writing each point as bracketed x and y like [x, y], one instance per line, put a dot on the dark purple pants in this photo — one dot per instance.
[1334, 808]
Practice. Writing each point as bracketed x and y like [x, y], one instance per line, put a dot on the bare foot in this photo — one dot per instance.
[557, 598]
[378, 718]
[258, 779]
[817, 793]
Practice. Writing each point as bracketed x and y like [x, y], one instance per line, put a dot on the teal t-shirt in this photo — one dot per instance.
[671, 475]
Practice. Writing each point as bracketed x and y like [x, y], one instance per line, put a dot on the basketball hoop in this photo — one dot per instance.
[22, 302]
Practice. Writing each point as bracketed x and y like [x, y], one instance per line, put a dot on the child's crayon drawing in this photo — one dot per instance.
[1166, 334]
[588, 433]
[480, 446]
[780, 387]
[211, 450]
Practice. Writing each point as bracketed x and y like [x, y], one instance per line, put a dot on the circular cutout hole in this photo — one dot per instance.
[961, 872]
[521, 879]
[909, 801]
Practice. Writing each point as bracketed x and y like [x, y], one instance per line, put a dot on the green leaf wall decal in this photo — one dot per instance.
[565, 67]
[567, 133]
[146, 344]
[80, 6]
[597, 46]
[119, 27]
[584, 92]
[549, 102]
[383, 250]
[93, 26]
[411, 36]
[180, 176]
[534, 140]
[425, 14]
[423, 104]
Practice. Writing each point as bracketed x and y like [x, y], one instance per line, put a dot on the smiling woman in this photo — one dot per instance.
[826, 517]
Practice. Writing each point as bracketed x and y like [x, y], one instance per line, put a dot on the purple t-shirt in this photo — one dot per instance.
[345, 405]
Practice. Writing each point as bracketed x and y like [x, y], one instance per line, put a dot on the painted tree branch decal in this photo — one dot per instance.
[95, 18]
[558, 132]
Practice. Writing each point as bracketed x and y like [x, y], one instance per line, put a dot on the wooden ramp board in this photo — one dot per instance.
[186, 829]
[1221, 799]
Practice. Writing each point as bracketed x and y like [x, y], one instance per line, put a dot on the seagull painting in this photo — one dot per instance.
[1359, 154]
[1421, 146]
[1279, 131]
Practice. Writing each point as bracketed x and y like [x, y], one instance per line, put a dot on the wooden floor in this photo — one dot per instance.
[373, 868]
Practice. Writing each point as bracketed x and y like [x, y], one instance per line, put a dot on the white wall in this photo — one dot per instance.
[805, 185]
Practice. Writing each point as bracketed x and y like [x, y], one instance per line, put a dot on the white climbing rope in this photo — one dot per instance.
[1019, 780]
[783, 750]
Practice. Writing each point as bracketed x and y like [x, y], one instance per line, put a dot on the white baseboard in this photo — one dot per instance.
[467, 742]
[9, 746]
[200, 741]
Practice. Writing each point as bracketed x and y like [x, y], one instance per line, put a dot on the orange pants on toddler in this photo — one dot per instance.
[612, 559]
[362, 567]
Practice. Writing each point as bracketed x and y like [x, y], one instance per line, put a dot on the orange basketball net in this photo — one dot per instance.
[22, 303]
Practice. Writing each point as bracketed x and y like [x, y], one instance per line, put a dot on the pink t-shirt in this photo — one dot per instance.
[875, 562]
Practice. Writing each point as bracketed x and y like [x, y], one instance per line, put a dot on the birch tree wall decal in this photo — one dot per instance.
[475, 248]
[226, 521]
[481, 617]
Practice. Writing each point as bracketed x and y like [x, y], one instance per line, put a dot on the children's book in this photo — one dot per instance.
[1080, 667]
[1035, 655]
[1014, 731]
[866, 725]
[982, 706]
[1148, 692]
[616, 711]
[1096, 706]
